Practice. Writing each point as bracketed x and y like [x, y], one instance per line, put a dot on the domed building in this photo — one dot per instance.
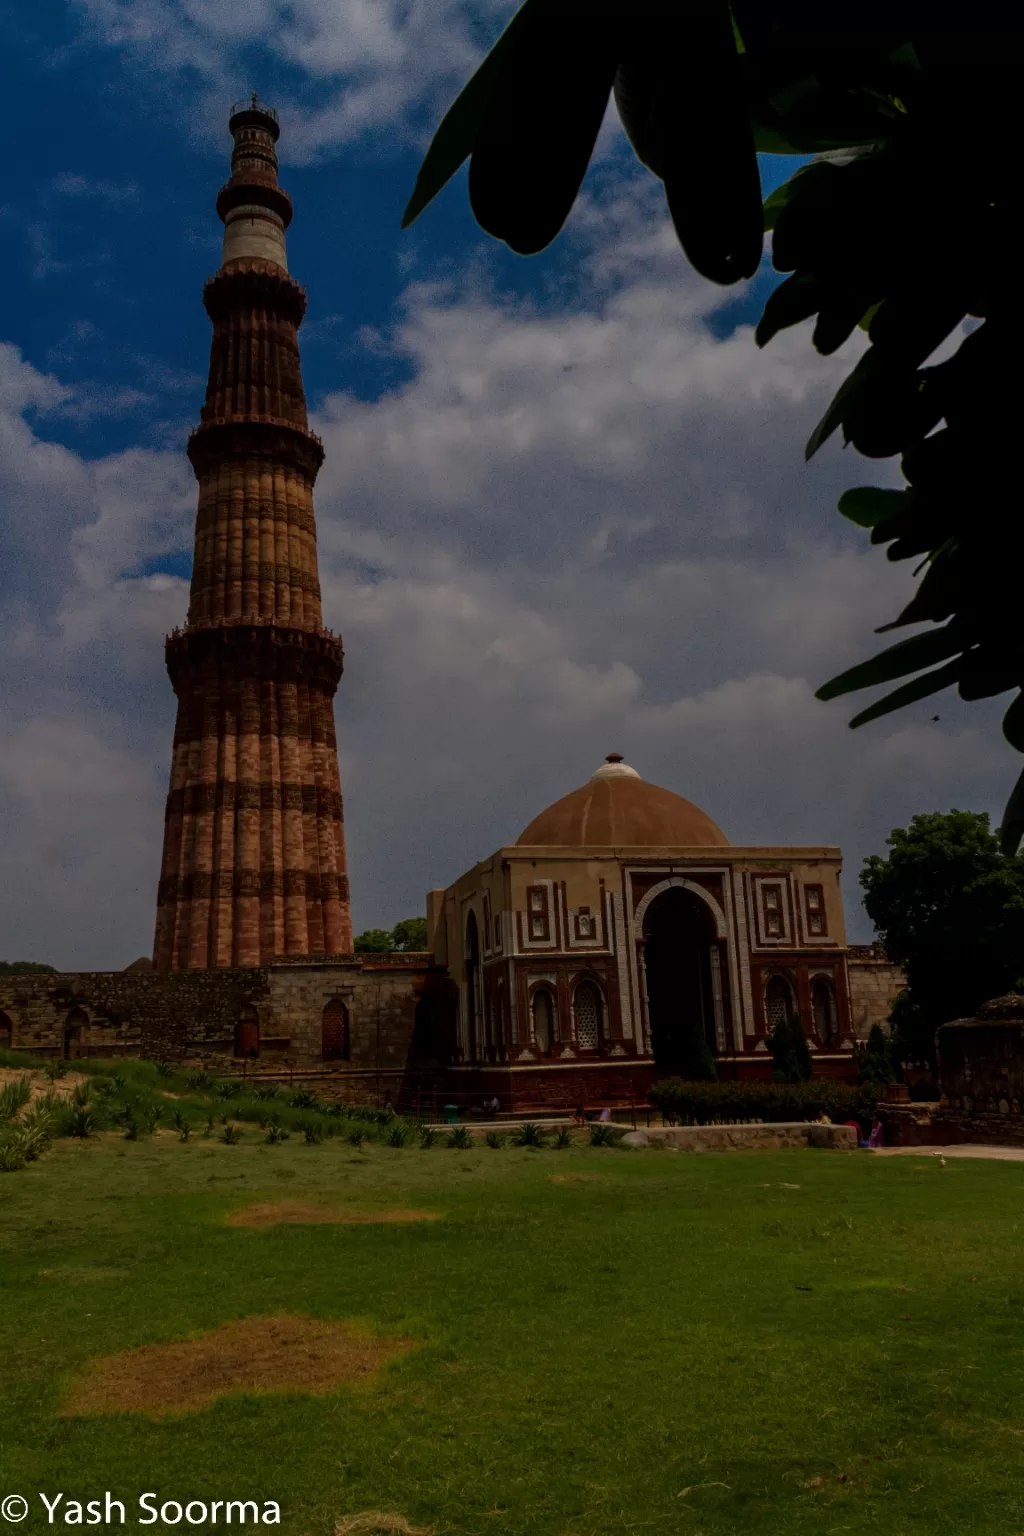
[622, 937]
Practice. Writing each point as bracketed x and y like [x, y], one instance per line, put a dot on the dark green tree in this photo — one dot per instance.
[791, 1055]
[901, 225]
[948, 905]
[11, 967]
[375, 941]
[409, 934]
[876, 1063]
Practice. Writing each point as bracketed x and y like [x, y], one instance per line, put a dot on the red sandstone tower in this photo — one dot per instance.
[254, 843]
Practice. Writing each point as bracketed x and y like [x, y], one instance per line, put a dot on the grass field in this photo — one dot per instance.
[602, 1340]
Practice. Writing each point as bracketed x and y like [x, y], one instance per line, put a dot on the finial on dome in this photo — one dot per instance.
[613, 767]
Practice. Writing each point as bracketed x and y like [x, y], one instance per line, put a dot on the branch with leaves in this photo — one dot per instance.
[901, 225]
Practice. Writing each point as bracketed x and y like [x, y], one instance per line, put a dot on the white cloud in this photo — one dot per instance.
[573, 530]
[361, 64]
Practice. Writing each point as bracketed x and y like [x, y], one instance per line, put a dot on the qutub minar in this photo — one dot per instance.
[254, 843]
[617, 935]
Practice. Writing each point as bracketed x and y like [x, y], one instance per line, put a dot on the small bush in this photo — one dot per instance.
[209, 1128]
[227, 1088]
[182, 1126]
[312, 1133]
[230, 1135]
[12, 1159]
[428, 1137]
[494, 1139]
[55, 1069]
[303, 1099]
[14, 1097]
[356, 1138]
[276, 1133]
[164, 1069]
[266, 1091]
[685, 1103]
[563, 1137]
[131, 1128]
[200, 1080]
[81, 1094]
[460, 1137]
[81, 1122]
[528, 1135]
[397, 1135]
[604, 1135]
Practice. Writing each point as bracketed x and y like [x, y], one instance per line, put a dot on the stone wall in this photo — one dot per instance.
[875, 982]
[127, 1013]
[981, 1077]
[192, 1015]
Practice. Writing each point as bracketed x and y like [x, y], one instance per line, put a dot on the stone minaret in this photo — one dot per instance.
[254, 843]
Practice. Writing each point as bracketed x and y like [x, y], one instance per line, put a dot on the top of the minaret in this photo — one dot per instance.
[255, 210]
[256, 114]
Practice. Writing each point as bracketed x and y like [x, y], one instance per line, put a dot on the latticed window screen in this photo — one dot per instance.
[778, 1001]
[587, 1017]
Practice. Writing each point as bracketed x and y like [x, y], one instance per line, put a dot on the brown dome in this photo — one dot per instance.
[617, 809]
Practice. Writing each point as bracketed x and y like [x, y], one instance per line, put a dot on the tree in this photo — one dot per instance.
[13, 967]
[902, 225]
[375, 941]
[948, 905]
[791, 1054]
[876, 1063]
[409, 934]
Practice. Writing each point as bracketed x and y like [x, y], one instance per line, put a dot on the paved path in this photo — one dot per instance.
[1002, 1154]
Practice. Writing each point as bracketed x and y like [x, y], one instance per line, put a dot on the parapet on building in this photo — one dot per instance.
[619, 939]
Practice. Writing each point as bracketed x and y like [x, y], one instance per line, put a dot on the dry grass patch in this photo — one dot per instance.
[374, 1522]
[275, 1213]
[577, 1178]
[254, 1354]
[40, 1085]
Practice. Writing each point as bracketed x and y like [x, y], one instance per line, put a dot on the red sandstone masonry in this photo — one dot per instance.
[254, 849]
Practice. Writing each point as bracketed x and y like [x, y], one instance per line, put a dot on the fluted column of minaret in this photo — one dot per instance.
[254, 849]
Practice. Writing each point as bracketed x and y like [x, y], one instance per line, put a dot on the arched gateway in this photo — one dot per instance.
[682, 966]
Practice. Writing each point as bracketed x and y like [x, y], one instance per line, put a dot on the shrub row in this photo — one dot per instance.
[684, 1103]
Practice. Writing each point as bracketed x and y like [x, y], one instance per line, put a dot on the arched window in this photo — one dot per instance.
[779, 1002]
[75, 1028]
[335, 1043]
[6, 1031]
[823, 1007]
[543, 1008]
[498, 1018]
[472, 984]
[247, 1033]
[587, 1009]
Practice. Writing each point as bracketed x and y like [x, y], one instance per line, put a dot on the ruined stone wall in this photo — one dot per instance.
[875, 982]
[380, 996]
[128, 1013]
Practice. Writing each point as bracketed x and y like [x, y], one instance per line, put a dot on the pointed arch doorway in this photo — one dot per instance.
[682, 963]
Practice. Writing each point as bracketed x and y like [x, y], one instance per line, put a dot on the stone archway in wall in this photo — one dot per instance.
[6, 1031]
[682, 964]
[76, 1034]
[335, 1040]
[247, 1033]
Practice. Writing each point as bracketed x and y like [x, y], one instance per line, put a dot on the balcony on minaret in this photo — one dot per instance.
[255, 210]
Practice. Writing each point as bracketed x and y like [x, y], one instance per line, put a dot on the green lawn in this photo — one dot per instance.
[842, 1356]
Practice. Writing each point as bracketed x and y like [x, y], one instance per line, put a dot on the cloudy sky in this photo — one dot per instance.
[564, 509]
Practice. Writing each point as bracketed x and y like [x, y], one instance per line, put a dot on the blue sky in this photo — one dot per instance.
[564, 509]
